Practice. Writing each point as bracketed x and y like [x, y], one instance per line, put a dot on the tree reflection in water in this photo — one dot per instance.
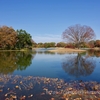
[94, 53]
[78, 65]
[11, 61]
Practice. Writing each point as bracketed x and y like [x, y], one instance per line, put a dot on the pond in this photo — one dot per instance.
[21, 71]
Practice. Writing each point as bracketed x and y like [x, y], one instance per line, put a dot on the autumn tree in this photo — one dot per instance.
[24, 39]
[93, 53]
[61, 44]
[97, 43]
[34, 44]
[11, 61]
[7, 37]
[91, 44]
[78, 34]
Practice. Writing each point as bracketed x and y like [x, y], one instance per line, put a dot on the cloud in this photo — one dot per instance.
[47, 38]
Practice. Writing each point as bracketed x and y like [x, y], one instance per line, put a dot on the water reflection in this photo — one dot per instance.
[11, 61]
[78, 65]
[46, 52]
[93, 53]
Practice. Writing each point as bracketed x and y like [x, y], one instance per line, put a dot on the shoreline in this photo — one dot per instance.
[57, 50]
[63, 50]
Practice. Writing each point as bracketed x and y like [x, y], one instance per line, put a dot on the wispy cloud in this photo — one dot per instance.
[47, 38]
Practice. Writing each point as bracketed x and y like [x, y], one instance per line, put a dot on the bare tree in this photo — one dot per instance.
[78, 65]
[78, 34]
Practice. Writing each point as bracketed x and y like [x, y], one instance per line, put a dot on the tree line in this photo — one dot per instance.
[76, 36]
[12, 61]
[90, 44]
[11, 39]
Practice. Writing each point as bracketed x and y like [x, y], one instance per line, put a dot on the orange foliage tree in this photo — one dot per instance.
[8, 37]
[97, 43]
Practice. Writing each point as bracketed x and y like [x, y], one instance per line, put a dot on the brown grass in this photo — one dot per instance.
[62, 50]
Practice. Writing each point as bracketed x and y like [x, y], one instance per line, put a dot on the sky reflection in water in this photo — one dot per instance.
[75, 66]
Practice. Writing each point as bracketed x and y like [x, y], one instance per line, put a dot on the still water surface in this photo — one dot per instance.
[68, 66]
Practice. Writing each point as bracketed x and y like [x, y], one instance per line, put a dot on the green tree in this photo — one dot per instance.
[24, 39]
[50, 44]
[46, 45]
[61, 44]
[8, 37]
[41, 45]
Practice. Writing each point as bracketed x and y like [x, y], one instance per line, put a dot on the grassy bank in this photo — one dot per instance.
[62, 50]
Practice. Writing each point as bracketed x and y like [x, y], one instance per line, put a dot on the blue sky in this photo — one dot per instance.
[46, 20]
